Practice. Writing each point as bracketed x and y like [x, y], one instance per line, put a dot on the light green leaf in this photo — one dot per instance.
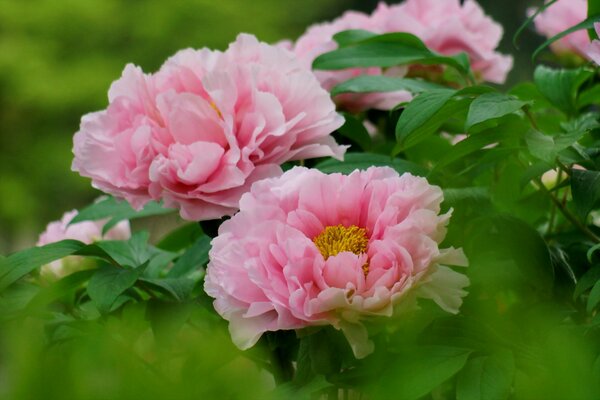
[421, 370]
[487, 377]
[350, 36]
[491, 106]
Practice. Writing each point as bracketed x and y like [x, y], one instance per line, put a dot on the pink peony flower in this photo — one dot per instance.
[593, 51]
[197, 133]
[559, 17]
[86, 232]
[314, 249]
[449, 28]
[444, 26]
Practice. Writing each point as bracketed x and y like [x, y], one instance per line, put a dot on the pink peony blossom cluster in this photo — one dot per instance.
[309, 249]
[559, 17]
[197, 133]
[445, 26]
[86, 232]
[593, 51]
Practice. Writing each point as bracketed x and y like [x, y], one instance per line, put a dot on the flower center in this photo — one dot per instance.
[335, 239]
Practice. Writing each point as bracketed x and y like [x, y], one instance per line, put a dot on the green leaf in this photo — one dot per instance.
[594, 297]
[385, 51]
[19, 264]
[418, 372]
[591, 251]
[487, 377]
[586, 281]
[491, 106]
[194, 259]
[117, 210]
[588, 23]
[593, 9]
[363, 161]
[560, 86]
[381, 83]
[453, 196]
[417, 119]
[179, 288]
[469, 145]
[546, 147]
[133, 252]
[108, 283]
[354, 130]
[181, 237]
[350, 36]
[534, 171]
[529, 21]
[60, 288]
[586, 190]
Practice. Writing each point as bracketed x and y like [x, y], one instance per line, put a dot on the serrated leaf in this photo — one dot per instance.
[19, 264]
[108, 283]
[491, 106]
[381, 83]
[363, 161]
[585, 186]
[487, 377]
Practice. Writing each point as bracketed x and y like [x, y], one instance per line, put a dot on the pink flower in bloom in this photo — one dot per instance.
[86, 232]
[449, 28]
[197, 133]
[444, 26]
[594, 48]
[559, 17]
[314, 249]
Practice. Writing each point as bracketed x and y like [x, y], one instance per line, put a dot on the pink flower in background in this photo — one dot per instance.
[197, 133]
[309, 249]
[444, 25]
[86, 232]
[449, 28]
[318, 39]
[593, 51]
[559, 17]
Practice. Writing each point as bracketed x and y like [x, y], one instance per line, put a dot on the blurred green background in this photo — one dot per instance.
[58, 58]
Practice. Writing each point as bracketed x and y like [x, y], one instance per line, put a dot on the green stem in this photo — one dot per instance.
[568, 214]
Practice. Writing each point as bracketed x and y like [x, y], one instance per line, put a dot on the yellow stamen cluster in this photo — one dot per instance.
[336, 239]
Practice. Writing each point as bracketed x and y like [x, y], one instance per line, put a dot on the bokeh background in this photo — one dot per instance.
[58, 58]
